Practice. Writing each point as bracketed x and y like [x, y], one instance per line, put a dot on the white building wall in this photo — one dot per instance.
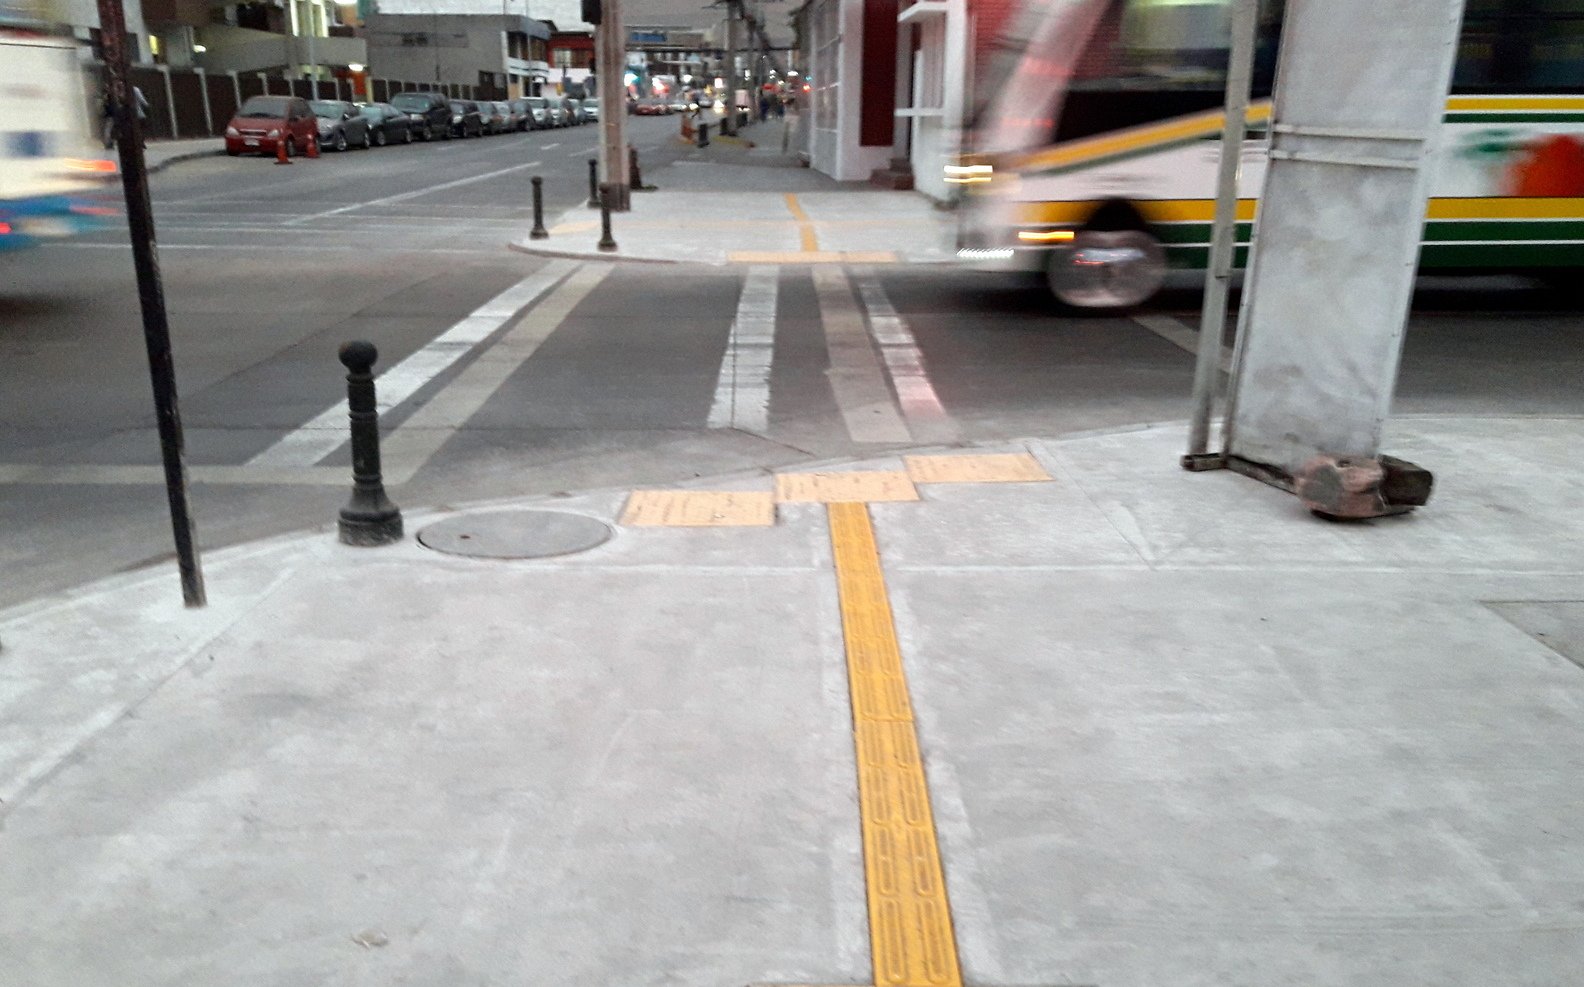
[84, 14]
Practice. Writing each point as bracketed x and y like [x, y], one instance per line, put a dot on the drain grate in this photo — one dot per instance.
[515, 534]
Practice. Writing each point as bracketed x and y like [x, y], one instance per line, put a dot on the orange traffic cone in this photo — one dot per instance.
[313, 146]
[280, 152]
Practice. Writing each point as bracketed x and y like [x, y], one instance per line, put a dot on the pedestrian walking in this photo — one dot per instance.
[780, 107]
[764, 107]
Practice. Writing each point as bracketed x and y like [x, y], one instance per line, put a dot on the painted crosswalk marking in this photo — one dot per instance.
[742, 389]
[328, 430]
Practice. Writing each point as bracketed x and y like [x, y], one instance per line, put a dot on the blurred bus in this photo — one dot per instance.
[52, 175]
[1116, 185]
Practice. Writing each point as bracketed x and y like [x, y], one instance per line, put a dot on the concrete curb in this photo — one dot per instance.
[528, 247]
[184, 156]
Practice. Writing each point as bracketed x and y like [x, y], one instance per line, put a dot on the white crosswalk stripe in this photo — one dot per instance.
[742, 389]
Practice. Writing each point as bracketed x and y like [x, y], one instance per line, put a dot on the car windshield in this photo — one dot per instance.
[594, 102]
[264, 107]
[459, 108]
[537, 102]
[325, 110]
[370, 110]
[410, 101]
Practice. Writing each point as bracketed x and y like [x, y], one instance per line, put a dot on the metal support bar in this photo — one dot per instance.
[1347, 133]
[538, 232]
[170, 101]
[607, 243]
[1223, 236]
[1351, 160]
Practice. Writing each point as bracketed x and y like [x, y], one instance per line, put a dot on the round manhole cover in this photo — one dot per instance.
[515, 534]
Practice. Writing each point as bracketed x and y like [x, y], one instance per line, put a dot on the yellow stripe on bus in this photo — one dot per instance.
[1088, 149]
[1203, 210]
[1466, 103]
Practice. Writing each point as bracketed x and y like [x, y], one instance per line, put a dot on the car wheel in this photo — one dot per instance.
[446, 134]
[407, 136]
[368, 141]
[379, 137]
[291, 147]
[1107, 269]
[340, 143]
[232, 153]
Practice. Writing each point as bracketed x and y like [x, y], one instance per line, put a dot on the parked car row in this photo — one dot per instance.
[265, 123]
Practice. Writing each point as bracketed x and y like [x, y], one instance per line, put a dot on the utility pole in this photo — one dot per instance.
[611, 64]
[729, 125]
[151, 297]
[313, 58]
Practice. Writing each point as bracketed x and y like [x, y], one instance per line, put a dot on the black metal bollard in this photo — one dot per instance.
[637, 175]
[607, 198]
[539, 232]
[594, 189]
[369, 518]
[703, 134]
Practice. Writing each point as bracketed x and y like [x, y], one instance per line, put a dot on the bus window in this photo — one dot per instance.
[1533, 46]
[1152, 60]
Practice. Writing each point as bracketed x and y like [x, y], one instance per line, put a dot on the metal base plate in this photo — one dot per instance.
[515, 534]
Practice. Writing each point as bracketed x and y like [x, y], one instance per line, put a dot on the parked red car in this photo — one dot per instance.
[266, 121]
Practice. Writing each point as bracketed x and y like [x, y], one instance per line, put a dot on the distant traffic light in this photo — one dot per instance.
[591, 11]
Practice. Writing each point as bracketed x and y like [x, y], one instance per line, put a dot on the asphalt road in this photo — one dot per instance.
[616, 375]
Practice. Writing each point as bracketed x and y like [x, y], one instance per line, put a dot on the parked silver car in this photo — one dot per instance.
[341, 124]
[538, 113]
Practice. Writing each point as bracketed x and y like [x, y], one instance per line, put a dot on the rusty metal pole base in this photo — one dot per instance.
[1203, 462]
[1343, 488]
[369, 532]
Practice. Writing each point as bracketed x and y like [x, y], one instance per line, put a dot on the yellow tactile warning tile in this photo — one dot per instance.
[1018, 467]
[698, 509]
[910, 925]
[833, 488]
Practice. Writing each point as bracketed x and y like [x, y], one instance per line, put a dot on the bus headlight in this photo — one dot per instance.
[969, 174]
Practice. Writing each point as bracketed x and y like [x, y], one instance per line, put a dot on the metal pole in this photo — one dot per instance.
[729, 125]
[170, 101]
[151, 297]
[594, 184]
[1223, 245]
[203, 90]
[539, 232]
[611, 64]
[369, 518]
[313, 58]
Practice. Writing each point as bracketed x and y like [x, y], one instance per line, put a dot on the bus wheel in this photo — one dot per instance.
[1107, 269]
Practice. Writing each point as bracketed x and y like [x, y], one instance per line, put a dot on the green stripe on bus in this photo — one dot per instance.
[1519, 117]
[1196, 233]
[1502, 255]
[1562, 229]
[1433, 255]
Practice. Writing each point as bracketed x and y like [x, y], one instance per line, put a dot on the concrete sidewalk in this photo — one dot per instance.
[160, 155]
[737, 202]
[1173, 731]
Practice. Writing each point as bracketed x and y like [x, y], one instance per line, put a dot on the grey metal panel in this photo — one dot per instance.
[1361, 89]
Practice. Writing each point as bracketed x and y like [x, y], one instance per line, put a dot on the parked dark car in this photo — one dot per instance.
[466, 120]
[538, 113]
[591, 110]
[263, 122]
[340, 125]
[387, 124]
[428, 114]
[496, 116]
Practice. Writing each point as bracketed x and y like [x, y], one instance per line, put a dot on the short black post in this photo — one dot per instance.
[594, 189]
[539, 232]
[703, 134]
[607, 199]
[369, 518]
[637, 175]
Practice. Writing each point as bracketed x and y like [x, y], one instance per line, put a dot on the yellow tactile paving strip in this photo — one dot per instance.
[698, 509]
[834, 488]
[805, 225]
[910, 927]
[1002, 468]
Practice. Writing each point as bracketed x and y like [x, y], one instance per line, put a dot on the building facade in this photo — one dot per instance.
[504, 57]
